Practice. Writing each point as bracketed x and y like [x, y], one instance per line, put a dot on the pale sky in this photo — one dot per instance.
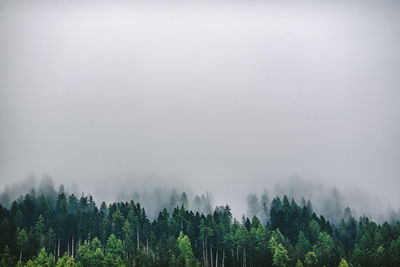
[227, 97]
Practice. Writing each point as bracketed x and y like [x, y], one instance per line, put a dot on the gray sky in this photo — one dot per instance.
[228, 97]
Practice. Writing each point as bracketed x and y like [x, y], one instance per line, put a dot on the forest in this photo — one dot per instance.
[57, 228]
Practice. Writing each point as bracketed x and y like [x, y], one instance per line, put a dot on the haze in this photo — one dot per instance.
[218, 96]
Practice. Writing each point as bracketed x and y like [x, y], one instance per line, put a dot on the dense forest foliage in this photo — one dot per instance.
[59, 229]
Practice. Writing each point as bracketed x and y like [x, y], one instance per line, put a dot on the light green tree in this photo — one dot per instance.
[96, 258]
[185, 250]
[343, 263]
[22, 242]
[95, 244]
[279, 253]
[259, 237]
[311, 259]
[299, 264]
[29, 263]
[83, 255]
[66, 261]
[325, 250]
[42, 259]
[280, 257]
[6, 258]
[114, 252]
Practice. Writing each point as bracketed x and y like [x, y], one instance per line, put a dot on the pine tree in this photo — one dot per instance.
[22, 242]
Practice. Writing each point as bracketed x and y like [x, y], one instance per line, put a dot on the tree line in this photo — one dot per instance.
[63, 230]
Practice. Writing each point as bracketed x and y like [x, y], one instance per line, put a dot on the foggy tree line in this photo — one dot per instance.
[158, 199]
[327, 201]
[152, 200]
[59, 229]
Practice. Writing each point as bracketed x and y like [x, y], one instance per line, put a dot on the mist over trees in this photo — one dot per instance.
[258, 207]
[158, 199]
[48, 227]
[154, 200]
[172, 130]
[327, 201]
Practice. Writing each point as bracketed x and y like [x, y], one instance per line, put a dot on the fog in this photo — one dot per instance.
[226, 97]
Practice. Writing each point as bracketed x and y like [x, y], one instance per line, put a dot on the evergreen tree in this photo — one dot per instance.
[22, 242]
[69, 228]
[185, 250]
[114, 252]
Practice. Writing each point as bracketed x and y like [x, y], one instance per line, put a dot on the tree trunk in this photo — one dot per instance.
[137, 237]
[20, 255]
[73, 241]
[237, 253]
[244, 257]
[58, 248]
[211, 256]
[206, 253]
[223, 258]
[204, 256]
[216, 258]
[147, 245]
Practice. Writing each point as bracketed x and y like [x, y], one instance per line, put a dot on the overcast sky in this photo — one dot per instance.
[228, 97]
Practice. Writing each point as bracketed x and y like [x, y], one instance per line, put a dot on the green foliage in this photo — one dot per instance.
[325, 250]
[84, 255]
[22, 241]
[185, 251]
[311, 259]
[299, 264]
[302, 246]
[279, 253]
[114, 252]
[6, 258]
[120, 234]
[343, 263]
[67, 261]
[184, 246]
[259, 246]
[42, 259]
[394, 252]
[40, 231]
[280, 256]
[314, 230]
[97, 258]
[29, 263]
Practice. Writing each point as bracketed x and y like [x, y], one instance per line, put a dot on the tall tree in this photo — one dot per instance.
[185, 250]
[22, 242]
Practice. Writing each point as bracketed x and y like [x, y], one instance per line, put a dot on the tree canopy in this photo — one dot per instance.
[64, 230]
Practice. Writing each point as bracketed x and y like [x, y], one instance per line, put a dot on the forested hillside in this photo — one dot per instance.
[60, 229]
